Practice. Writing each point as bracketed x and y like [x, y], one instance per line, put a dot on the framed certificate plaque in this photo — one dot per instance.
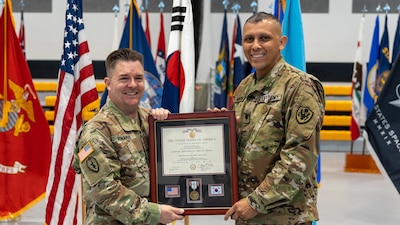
[193, 162]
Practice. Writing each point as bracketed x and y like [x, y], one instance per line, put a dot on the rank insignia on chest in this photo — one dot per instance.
[265, 98]
[303, 115]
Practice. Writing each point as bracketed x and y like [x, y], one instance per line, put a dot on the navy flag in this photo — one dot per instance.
[383, 128]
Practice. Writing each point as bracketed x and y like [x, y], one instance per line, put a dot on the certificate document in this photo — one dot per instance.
[193, 150]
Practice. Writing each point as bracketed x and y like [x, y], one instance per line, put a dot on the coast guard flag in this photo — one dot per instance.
[134, 38]
[76, 89]
[372, 66]
[292, 27]
[357, 85]
[160, 57]
[222, 68]
[383, 128]
[384, 59]
[178, 95]
[25, 142]
[237, 61]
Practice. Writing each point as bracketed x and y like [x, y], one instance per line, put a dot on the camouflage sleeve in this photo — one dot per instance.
[101, 180]
[299, 154]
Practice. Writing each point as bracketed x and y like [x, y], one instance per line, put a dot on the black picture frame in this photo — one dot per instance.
[181, 154]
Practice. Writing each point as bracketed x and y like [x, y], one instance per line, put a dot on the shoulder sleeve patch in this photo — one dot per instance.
[95, 168]
[307, 113]
[304, 114]
[85, 152]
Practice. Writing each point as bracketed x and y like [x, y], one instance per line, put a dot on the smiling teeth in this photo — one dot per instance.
[257, 55]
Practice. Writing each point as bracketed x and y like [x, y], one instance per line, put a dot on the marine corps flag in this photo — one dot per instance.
[383, 128]
[24, 132]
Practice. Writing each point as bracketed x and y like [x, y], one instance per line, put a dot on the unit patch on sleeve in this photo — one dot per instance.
[92, 164]
[303, 115]
[85, 152]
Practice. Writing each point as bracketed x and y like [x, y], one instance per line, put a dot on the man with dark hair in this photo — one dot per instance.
[280, 110]
[112, 151]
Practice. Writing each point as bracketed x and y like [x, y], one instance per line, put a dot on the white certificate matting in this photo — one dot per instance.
[193, 150]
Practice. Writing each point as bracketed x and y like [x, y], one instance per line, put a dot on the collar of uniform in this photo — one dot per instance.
[273, 72]
[127, 123]
[265, 82]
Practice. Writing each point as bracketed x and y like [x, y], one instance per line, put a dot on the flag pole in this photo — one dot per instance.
[83, 208]
[4, 119]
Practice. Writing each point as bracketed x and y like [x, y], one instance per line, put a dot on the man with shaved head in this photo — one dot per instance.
[280, 110]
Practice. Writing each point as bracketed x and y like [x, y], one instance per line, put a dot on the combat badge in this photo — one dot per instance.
[303, 115]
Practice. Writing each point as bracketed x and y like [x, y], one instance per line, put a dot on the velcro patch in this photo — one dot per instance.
[92, 164]
[304, 114]
[85, 152]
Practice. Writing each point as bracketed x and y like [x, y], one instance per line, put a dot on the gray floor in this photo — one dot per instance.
[344, 198]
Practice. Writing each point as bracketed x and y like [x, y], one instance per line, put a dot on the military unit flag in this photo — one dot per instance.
[178, 95]
[76, 89]
[134, 38]
[222, 68]
[23, 163]
[383, 60]
[292, 27]
[237, 69]
[21, 35]
[279, 9]
[148, 37]
[372, 66]
[383, 128]
[396, 42]
[160, 57]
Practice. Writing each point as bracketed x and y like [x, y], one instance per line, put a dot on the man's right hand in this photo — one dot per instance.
[170, 214]
[223, 109]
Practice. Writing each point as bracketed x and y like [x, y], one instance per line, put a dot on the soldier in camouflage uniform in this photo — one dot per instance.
[280, 110]
[112, 151]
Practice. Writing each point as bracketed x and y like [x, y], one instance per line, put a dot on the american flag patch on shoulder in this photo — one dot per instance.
[85, 152]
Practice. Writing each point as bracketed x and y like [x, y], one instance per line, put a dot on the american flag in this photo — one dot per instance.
[76, 89]
[172, 191]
